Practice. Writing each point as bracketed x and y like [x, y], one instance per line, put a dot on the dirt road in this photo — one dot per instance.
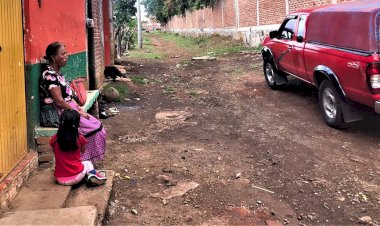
[240, 152]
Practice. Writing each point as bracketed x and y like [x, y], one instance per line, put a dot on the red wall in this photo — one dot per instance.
[107, 35]
[54, 20]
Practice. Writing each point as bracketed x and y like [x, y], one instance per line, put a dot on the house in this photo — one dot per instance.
[26, 28]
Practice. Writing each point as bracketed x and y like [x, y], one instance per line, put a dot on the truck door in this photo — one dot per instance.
[282, 50]
[298, 48]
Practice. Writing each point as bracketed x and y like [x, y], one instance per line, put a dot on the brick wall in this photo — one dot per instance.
[232, 17]
[223, 13]
[98, 42]
[208, 13]
[301, 4]
[248, 13]
[271, 12]
[217, 16]
[229, 15]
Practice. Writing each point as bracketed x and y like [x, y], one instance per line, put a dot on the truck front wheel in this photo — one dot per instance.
[330, 103]
[269, 73]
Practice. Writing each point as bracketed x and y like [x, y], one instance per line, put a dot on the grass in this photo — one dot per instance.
[147, 52]
[121, 87]
[213, 45]
[140, 80]
[168, 90]
[193, 93]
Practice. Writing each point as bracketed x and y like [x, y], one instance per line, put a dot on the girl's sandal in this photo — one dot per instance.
[96, 179]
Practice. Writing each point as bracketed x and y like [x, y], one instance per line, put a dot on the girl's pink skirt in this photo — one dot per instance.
[77, 178]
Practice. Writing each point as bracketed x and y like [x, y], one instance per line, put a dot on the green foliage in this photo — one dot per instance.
[125, 24]
[163, 10]
[124, 10]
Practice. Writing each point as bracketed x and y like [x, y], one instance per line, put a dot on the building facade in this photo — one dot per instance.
[27, 27]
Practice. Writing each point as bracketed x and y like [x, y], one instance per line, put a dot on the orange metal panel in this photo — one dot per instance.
[13, 140]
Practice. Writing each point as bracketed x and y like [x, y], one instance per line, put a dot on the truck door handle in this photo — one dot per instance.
[1, 49]
[290, 47]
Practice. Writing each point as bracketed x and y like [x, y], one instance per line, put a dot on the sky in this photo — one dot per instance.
[143, 12]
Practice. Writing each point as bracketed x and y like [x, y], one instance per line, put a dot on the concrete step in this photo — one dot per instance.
[93, 196]
[42, 201]
[41, 192]
[83, 215]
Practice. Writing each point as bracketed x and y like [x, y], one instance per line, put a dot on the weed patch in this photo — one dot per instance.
[140, 80]
[214, 45]
[168, 90]
[121, 87]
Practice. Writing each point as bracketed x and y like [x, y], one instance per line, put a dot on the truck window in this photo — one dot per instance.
[301, 26]
[287, 29]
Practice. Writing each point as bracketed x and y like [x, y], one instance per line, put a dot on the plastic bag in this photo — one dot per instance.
[80, 95]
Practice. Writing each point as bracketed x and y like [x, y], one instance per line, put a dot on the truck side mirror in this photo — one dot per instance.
[299, 39]
[273, 34]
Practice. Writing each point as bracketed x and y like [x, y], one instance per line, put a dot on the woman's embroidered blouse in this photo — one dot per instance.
[50, 79]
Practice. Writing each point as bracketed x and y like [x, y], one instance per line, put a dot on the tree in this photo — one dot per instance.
[125, 24]
[163, 10]
[156, 8]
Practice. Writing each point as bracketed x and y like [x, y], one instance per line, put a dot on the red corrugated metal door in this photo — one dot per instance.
[13, 140]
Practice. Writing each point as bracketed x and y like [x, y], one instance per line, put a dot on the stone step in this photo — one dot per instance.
[41, 192]
[83, 215]
[93, 196]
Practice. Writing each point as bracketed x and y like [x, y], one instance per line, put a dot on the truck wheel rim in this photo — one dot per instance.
[269, 73]
[329, 103]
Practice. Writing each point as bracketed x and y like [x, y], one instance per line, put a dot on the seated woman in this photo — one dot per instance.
[55, 91]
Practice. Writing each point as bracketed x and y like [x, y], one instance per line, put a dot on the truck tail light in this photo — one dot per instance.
[373, 77]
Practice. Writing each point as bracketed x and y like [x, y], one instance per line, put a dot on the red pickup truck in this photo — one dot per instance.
[335, 48]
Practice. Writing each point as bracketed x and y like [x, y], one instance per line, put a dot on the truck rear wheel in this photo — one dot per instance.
[330, 103]
[269, 73]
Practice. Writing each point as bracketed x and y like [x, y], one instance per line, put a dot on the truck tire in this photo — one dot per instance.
[330, 103]
[270, 73]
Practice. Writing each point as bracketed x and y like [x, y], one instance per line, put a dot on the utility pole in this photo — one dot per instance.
[139, 34]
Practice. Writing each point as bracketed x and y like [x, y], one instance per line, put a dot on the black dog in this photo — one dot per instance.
[112, 72]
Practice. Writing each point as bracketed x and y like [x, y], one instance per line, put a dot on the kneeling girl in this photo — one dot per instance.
[67, 145]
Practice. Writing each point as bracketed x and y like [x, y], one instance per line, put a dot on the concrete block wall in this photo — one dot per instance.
[247, 20]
